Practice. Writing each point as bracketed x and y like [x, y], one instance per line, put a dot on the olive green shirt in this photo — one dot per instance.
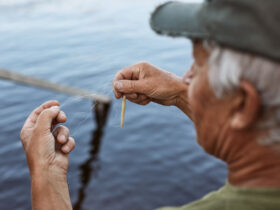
[236, 198]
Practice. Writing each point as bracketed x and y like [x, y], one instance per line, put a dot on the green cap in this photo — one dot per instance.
[248, 25]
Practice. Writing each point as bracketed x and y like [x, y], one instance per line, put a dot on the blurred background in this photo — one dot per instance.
[154, 160]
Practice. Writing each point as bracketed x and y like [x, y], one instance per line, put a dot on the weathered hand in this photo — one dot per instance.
[143, 83]
[47, 149]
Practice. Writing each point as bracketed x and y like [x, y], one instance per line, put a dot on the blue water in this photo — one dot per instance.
[154, 161]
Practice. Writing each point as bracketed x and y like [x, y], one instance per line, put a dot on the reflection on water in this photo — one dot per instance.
[90, 167]
[154, 160]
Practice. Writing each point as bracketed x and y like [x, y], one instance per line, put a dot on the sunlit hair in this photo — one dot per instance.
[228, 67]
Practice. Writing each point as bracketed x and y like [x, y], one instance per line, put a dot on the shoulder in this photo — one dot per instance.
[232, 198]
[211, 201]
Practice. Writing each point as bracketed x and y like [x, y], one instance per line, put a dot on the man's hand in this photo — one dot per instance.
[46, 152]
[143, 83]
[46, 148]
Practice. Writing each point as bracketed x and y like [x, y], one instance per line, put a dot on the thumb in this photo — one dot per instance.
[128, 86]
[45, 119]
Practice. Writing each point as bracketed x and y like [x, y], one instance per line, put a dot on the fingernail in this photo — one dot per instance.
[118, 85]
[66, 148]
[55, 107]
[62, 138]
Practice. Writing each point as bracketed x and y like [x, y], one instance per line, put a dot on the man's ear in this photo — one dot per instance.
[247, 111]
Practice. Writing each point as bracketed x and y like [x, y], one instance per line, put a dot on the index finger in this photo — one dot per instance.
[61, 118]
[32, 118]
[128, 73]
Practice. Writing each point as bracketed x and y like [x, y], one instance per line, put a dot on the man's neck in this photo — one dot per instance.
[249, 163]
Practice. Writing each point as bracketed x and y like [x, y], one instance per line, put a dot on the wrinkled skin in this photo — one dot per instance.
[47, 152]
[225, 127]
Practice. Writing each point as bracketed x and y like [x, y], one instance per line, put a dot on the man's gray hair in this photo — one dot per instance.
[227, 67]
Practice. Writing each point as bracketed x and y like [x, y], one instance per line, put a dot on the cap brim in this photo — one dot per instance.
[178, 19]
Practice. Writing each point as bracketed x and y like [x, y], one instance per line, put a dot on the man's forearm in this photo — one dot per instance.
[50, 192]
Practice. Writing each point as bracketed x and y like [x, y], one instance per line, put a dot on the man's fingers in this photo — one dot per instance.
[129, 73]
[46, 118]
[61, 134]
[128, 86]
[131, 96]
[32, 119]
[141, 100]
[142, 97]
[145, 102]
[117, 94]
[136, 98]
[69, 146]
[61, 118]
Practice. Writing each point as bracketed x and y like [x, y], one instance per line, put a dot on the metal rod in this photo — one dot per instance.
[31, 81]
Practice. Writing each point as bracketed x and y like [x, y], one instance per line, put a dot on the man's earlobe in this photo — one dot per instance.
[247, 113]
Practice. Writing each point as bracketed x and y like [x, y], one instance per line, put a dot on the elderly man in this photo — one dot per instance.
[230, 93]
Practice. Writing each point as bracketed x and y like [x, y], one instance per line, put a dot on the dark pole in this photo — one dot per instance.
[90, 166]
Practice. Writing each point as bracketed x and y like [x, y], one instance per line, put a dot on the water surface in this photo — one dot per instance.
[154, 161]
